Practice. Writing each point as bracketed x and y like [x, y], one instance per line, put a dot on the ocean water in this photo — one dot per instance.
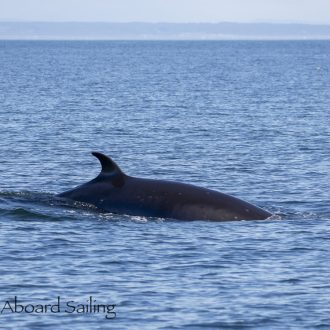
[251, 119]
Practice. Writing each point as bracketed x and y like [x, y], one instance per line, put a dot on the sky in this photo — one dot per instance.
[274, 11]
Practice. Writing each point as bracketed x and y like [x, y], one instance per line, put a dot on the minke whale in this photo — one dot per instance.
[116, 192]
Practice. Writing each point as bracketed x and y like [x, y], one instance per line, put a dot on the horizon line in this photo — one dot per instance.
[165, 22]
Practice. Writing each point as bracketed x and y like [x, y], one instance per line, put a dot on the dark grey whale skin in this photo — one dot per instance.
[115, 192]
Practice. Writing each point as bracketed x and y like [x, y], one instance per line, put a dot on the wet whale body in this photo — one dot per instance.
[115, 192]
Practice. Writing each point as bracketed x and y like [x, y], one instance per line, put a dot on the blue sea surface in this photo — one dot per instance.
[247, 118]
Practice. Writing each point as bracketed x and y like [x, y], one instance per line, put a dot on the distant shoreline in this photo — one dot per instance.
[161, 40]
[161, 31]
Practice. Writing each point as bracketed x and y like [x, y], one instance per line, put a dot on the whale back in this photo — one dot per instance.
[114, 191]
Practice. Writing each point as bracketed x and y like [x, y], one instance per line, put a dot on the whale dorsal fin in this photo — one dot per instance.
[110, 170]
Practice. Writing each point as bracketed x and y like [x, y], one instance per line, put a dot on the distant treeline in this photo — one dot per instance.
[72, 30]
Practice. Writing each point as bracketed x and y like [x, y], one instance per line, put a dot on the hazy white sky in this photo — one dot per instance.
[305, 11]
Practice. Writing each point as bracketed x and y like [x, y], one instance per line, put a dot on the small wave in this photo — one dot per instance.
[299, 211]
[24, 214]
[33, 213]
[275, 216]
[139, 219]
[24, 197]
[27, 205]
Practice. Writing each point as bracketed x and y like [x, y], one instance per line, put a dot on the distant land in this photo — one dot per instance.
[160, 31]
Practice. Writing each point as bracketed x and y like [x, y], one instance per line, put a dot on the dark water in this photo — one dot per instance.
[247, 118]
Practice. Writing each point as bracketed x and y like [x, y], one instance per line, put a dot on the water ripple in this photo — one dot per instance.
[247, 118]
